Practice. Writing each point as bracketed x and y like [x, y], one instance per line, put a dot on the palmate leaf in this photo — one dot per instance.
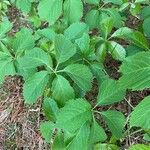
[115, 121]
[24, 40]
[62, 90]
[110, 92]
[50, 10]
[80, 141]
[74, 114]
[34, 87]
[73, 10]
[64, 48]
[140, 115]
[81, 75]
[34, 58]
[136, 71]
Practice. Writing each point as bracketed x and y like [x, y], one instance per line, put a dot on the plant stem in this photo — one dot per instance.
[137, 131]
[97, 112]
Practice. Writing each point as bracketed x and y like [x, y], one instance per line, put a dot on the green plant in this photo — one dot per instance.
[60, 62]
[4, 7]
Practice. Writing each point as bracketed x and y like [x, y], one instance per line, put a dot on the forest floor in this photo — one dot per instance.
[19, 124]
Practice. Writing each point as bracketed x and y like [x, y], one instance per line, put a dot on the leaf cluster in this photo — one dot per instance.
[59, 63]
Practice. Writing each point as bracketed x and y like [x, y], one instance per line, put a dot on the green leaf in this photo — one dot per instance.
[74, 114]
[140, 115]
[132, 50]
[101, 52]
[106, 147]
[141, 1]
[70, 7]
[84, 44]
[80, 141]
[92, 19]
[117, 51]
[115, 15]
[145, 13]
[25, 73]
[35, 20]
[59, 143]
[50, 109]
[147, 137]
[6, 66]
[136, 71]
[62, 90]
[117, 2]
[134, 36]
[76, 30]
[97, 133]
[64, 48]
[46, 129]
[110, 92]
[23, 41]
[4, 49]
[5, 26]
[124, 6]
[145, 27]
[106, 26]
[24, 6]
[34, 58]
[139, 147]
[81, 75]
[139, 39]
[34, 86]
[115, 121]
[135, 9]
[47, 33]
[50, 10]
[122, 32]
[99, 72]
[95, 2]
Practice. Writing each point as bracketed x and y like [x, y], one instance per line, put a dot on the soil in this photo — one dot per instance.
[19, 123]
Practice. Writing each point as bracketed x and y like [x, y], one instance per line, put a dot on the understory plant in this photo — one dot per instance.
[62, 56]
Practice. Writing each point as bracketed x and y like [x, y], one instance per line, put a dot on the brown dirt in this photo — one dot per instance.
[19, 124]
